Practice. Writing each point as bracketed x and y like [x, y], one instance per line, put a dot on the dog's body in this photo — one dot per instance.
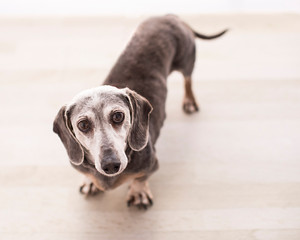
[137, 85]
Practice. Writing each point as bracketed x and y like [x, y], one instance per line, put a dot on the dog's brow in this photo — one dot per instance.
[109, 98]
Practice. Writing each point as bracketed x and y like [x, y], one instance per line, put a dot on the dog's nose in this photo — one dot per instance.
[111, 167]
[110, 163]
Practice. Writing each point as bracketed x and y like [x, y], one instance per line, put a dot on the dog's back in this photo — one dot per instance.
[159, 46]
[154, 51]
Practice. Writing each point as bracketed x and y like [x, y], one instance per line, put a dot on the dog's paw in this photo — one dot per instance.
[139, 195]
[88, 188]
[190, 106]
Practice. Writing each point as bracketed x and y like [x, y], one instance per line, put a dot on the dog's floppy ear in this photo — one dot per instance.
[140, 114]
[61, 126]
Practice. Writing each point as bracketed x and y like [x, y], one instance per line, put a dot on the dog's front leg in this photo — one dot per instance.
[139, 194]
[88, 188]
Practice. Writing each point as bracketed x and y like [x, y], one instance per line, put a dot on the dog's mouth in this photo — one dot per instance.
[110, 175]
[104, 172]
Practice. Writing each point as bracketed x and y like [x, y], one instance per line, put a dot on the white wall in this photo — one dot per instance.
[136, 7]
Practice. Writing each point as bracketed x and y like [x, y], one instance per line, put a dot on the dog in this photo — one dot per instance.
[110, 131]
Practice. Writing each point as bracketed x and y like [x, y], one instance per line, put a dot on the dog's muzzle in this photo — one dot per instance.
[110, 163]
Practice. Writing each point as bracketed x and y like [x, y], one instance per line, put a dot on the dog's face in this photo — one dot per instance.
[100, 119]
[99, 123]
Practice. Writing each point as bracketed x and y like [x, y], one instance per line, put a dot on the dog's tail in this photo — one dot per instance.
[205, 37]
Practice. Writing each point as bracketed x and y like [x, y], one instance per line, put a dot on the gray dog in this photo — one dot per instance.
[110, 131]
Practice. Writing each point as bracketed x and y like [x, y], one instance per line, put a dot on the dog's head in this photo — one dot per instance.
[100, 123]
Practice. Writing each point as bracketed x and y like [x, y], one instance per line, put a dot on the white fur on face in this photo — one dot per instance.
[97, 105]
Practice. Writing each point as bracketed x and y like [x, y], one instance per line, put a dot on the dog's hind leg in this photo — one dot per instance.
[186, 67]
[189, 103]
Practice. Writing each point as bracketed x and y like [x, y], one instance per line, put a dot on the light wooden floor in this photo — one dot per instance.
[230, 172]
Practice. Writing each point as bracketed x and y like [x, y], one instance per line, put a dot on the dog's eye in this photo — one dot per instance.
[117, 117]
[84, 125]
